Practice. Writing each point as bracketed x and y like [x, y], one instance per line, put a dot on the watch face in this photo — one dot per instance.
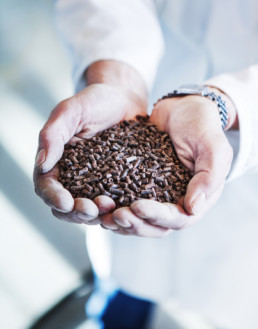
[190, 90]
[187, 90]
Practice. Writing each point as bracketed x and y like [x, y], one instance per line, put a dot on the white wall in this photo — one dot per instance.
[41, 258]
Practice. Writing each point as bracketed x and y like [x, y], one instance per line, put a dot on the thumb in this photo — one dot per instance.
[50, 150]
[212, 164]
[52, 138]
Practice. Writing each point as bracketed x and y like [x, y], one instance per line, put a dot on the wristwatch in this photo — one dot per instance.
[204, 91]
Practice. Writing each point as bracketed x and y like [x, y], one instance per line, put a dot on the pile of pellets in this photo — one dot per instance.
[130, 161]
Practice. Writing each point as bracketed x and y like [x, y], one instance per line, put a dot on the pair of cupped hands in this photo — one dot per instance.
[115, 92]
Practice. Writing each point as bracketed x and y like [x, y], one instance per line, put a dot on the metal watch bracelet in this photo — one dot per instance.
[204, 91]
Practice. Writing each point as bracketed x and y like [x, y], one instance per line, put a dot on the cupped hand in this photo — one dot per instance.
[194, 127]
[97, 107]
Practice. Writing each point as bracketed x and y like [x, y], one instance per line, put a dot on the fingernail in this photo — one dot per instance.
[84, 217]
[198, 203]
[105, 228]
[110, 227]
[40, 158]
[123, 223]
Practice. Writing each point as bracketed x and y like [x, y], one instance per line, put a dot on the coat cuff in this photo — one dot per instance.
[236, 87]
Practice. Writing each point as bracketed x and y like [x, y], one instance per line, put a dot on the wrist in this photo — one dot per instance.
[120, 76]
[231, 109]
[224, 106]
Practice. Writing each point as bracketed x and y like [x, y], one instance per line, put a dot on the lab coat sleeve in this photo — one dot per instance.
[242, 88]
[127, 31]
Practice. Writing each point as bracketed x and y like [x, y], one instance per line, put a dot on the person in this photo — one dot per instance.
[128, 54]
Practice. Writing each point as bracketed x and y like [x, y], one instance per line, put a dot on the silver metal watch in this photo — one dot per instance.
[204, 91]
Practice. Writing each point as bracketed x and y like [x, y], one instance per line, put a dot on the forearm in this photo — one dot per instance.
[119, 75]
[118, 31]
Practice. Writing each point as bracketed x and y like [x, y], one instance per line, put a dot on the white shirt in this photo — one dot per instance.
[211, 267]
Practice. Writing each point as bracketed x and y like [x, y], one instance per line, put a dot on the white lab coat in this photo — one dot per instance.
[211, 267]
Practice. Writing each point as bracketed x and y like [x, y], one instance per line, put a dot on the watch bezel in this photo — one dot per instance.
[190, 89]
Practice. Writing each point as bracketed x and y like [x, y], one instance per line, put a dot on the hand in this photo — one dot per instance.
[108, 99]
[194, 127]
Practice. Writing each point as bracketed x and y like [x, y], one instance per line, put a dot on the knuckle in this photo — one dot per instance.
[153, 220]
[64, 105]
[134, 230]
[137, 229]
[55, 120]
[208, 178]
[179, 225]
[44, 134]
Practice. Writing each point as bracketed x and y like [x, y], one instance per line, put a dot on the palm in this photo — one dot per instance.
[94, 109]
[194, 127]
[191, 123]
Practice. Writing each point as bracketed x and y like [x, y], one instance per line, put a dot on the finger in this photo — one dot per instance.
[72, 217]
[84, 212]
[167, 215]
[68, 217]
[105, 204]
[85, 209]
[52, 192]
[161, 112]
[57, 131]
[108, 222]
[51, 147]
[212, 164]
[131, 224]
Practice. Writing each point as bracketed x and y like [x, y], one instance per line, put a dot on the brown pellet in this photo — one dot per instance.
[116, 191]
[83, 171]
[130, 161]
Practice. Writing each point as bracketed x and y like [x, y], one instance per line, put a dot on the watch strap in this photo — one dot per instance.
[187, 90]
[221, 104]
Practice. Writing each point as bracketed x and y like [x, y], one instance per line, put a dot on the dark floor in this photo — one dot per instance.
[69, 313]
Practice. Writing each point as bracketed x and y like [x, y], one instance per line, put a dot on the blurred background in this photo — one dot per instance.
[41, 259]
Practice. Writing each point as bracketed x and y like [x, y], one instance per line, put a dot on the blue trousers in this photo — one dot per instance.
[126, 312]
[111, 308]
